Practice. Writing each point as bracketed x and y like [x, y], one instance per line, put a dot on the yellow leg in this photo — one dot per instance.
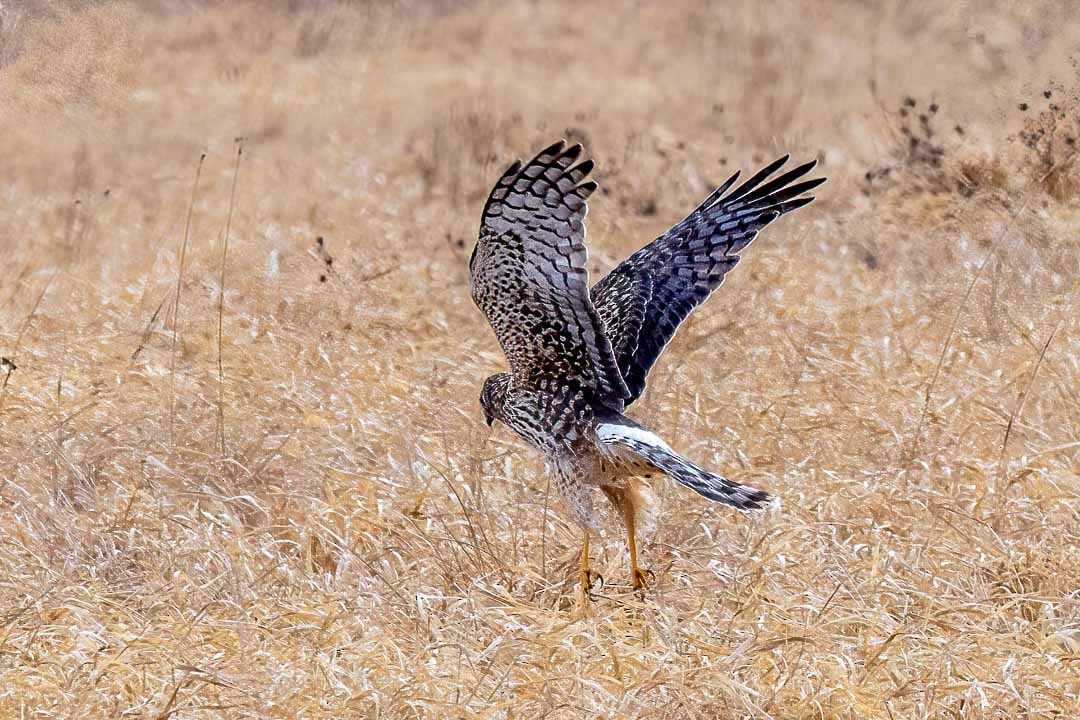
[623, 500]
[586, 583]
[631, 540]
[635, 573]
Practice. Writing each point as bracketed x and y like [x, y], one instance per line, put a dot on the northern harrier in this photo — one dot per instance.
[579, 357]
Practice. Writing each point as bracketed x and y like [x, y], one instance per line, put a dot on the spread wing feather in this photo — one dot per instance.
[528, 276]
[644, 299]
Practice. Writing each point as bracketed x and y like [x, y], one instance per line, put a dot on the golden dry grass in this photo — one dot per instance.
[362, 545]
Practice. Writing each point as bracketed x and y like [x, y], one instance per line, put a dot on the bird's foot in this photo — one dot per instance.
[643, 578]
[588, 579]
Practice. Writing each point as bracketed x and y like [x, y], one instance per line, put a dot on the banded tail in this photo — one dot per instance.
[630, 442]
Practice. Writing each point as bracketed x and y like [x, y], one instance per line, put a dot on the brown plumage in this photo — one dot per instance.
[577, 357]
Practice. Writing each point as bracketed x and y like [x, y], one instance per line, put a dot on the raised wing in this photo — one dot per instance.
[644, 299]
[528, 276]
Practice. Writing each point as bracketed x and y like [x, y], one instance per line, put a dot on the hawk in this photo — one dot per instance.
[578, 356]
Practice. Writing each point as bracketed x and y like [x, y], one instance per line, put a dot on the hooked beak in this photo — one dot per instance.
[490, 420]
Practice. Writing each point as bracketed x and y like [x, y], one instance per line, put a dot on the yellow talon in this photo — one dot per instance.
[586, 574]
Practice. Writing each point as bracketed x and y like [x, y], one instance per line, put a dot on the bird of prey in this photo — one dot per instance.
[578, 356]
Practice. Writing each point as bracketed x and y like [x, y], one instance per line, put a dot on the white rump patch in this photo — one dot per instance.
[611, 433]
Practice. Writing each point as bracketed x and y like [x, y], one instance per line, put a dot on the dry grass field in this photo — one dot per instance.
[258, 484]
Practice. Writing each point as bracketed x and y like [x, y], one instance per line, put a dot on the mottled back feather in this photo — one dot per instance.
[528, 276]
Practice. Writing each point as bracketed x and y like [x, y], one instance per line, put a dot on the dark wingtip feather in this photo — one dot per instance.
[766, 217]
[777, 187]
[759, 177]
[586, 189]
[715, 195]
[583, 168]
[571, 152]
[775, 165]
[757, 499]
[554, 148]
[790, 205]
[782, 195]
[549, 154]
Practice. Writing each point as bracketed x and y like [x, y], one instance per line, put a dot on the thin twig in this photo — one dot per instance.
[10, 365]
[1020, 402]
[176, 305]
[468, 520]
[543, 526]
[221, 299]
[15, 285]
[955, 321]
[149, 328]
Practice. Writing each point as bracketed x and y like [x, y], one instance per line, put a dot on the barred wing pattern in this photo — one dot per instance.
[644, 299]
[528, 276]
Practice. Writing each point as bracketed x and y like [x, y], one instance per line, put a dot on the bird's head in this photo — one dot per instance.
[493, 397]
